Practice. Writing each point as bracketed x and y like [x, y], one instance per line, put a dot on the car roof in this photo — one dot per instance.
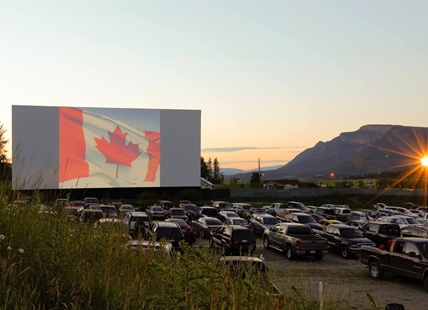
[300, 214]
[266, 215]
[167, 224]
[342, 226]
[138, 213]
[233, 258]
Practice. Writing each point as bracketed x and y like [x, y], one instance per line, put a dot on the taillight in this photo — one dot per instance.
[229, 241]
[297, 244]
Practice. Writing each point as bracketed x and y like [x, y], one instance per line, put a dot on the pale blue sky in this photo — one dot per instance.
[271, 78]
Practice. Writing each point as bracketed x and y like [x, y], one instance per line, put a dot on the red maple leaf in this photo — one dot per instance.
[117, 151]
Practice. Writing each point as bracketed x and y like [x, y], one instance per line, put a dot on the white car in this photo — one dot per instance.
[401, 220]
[229, 214]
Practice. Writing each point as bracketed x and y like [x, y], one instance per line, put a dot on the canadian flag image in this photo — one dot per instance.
[98, 151]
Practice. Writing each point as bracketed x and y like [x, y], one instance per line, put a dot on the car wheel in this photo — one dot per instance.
[344, 251]
[377, 273]
[211, 243]
[266, 244]
[426, 283]
[289, 252]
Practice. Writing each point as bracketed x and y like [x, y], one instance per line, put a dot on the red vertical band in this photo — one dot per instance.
[72, 146]
[153, 150]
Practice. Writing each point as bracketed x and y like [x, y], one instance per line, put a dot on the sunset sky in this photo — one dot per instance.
[272, 78]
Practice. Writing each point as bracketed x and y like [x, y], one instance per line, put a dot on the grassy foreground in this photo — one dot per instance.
[49, 263]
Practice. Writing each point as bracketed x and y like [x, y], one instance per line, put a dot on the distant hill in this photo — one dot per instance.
[370, 149]
[232, 171]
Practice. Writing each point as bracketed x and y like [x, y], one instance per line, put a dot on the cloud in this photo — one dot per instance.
[244, 148]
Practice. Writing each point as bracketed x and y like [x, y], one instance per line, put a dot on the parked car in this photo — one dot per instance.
[160, 230]
[381, 233]
[414, 231]
[72, 213]
[297, 205]
[157, 247]
[165, 204]
[91, 200]
[356, 223]
[358, 215]
[204, 225]
[190, 209]
[237, 221]
[109, 211]
[303, 218]
[210, 212]
[90, 216]
[243, 210]
[137, 222]
[126, 208]
[177, 213]
[155, 213]
[401, 220]
[233, 239]
[183, 225]
[294, 239]
[241, 266]
[260, 222]
[326, 222]
[346, 239]
[221, 205]
[76, 203]
[229, 214]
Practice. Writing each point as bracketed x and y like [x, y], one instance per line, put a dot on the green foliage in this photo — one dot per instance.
[255, 180]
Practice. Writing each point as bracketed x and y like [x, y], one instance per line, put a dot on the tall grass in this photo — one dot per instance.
[47, 262]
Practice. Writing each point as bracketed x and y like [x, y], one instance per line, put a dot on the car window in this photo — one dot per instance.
[399, 246]
[410, 247]
[373, 228]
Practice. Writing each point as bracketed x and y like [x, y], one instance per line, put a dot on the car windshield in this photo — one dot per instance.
[158, 209]
[168, 204]
[351, 233]
[270, 220]
[139, 219]
[423, 247]
[239, 221]
[412, 221]
[232, 214]
[213, 222]
[190, 207]
[246, 207]
[177, 212]
[209, 211]
[180, 222]
[224, 205]
[128, 208]
[306, 219]
[108, 209]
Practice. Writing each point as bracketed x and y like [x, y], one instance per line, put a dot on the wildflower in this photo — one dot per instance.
[9, 248]
[1, 237]
[21, 251]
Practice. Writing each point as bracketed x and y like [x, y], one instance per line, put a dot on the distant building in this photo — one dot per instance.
[283, 184]
[205, 184]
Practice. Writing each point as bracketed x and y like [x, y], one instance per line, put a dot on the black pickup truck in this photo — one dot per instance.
[347, 239]
[381, 233]
[406, 256]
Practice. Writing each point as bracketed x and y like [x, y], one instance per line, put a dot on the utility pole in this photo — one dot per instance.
[260, 176]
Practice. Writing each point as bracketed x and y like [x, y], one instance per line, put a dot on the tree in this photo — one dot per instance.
[255, 180]
[204, 169]
[210, 170]
[4, 164]
[218, 177]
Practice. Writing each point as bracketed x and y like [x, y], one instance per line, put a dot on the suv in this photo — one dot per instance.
[165, 230]
[155, 213]
[260, 222]
[233, 239]
[243, 210]
[137, 222]
[165, 204]
[91, 216]
[221, 205]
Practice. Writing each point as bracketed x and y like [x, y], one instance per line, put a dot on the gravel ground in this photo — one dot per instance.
[344, 280]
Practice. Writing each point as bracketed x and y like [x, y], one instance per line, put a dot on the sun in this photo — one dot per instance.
[424, 161]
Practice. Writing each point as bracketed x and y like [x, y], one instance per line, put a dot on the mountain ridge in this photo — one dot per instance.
[370, 149]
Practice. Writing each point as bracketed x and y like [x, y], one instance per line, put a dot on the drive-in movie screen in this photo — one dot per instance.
[71, 147]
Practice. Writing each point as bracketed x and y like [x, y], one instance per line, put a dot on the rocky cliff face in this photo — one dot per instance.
[370, 149]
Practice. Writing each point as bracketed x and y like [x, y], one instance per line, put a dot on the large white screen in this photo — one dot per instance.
[68, 147]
